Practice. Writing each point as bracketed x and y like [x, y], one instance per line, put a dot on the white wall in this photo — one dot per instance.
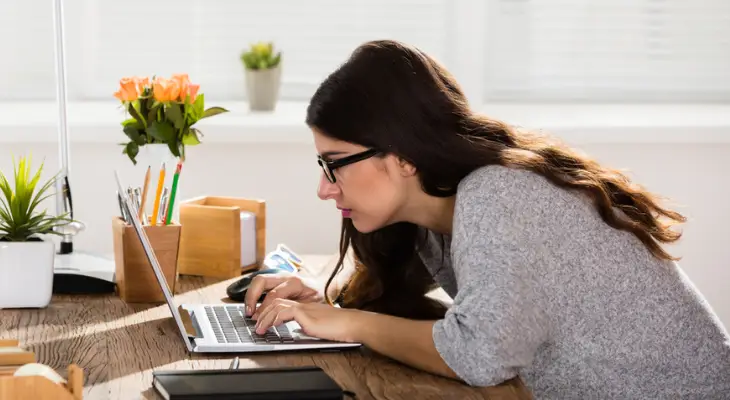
[286, 175]
[695, 178]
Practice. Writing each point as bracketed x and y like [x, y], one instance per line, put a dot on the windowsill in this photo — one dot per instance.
[99, 122]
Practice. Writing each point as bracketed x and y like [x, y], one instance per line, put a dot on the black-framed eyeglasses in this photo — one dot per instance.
[329, 167]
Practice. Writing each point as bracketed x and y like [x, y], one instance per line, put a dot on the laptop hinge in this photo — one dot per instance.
[187, 322]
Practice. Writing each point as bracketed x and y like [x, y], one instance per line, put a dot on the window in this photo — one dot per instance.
[107, 40]
[26, 50]
[500, 50]
[608, 50]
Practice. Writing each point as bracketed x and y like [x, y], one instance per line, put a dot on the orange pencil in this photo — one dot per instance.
[144, 195]
[160, 185]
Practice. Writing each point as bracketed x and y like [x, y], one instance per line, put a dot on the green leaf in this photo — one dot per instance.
[133, 112]
[19, 217]
[152, 114]
[198, 107]
[213, 111]
[132, 150]
[162, 131]
[134, 135]
[191, 137]
[174, 149]
[275, 61]
[174, 114]
[132, 122]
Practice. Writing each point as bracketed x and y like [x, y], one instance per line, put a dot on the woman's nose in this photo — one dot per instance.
[327, 190]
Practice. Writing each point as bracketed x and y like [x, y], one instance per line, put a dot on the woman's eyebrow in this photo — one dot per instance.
[328, 154]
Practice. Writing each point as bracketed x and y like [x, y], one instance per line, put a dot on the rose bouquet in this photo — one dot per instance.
[162, 110]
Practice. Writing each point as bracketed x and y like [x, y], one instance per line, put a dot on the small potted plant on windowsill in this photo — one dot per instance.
[263, 76]
[26, 257]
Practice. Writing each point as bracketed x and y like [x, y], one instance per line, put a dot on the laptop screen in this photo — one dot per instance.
[154, 262]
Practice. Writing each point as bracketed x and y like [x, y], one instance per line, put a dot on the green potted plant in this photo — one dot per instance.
[26, 257]
[263, 75]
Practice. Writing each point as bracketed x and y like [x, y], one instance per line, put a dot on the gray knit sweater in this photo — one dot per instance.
[545, 289]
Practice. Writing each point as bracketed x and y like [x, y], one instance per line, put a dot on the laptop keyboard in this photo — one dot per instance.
[230, 325]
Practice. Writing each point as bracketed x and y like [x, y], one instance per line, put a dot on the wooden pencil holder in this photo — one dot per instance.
[135, 278]
[210, 244]
[35, 386]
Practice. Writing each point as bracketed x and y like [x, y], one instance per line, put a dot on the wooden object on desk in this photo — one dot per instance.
[135, 278]
[35, 387]
[211, 239]
[119, 345]
[12, 356]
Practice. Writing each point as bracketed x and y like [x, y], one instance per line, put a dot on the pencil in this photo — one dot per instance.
[160, 185]
[171, 204]
[140, 213]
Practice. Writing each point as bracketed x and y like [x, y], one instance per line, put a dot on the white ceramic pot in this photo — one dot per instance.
[26, 274]
[262, 88]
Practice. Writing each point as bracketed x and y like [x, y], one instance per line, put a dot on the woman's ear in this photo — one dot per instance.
[406, 168]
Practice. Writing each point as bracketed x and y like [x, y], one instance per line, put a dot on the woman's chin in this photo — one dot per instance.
[365, 225]
[362, 227]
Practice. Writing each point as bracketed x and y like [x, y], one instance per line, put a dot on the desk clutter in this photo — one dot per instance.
[164, 201]
[279, 383]
[21, 377]
[223, 236]
[215, 236]
[135, 278]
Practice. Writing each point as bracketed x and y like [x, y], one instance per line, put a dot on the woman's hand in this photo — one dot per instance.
[279, 286]
[318, 320]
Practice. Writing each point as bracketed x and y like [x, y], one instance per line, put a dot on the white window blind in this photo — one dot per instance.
[500, 50]
[608, 50]
[26, 50]
[204, 38]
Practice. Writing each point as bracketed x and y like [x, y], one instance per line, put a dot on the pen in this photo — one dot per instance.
[130, 195]
[163, 206]
[142, 202]
[234, 363]
[171, 203]
[121, 207]
[160, 185]
[138, 203]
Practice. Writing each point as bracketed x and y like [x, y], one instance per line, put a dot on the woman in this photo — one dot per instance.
[553, 261]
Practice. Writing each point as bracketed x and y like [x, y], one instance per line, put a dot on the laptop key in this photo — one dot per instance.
[244, 335]
[284, 334]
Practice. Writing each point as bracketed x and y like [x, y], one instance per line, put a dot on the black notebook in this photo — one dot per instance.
[309, 382]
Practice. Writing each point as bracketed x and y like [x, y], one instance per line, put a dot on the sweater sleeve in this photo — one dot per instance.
[496, 323]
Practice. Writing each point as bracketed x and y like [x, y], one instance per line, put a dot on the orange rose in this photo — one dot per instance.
[165, 89]
[142, 83]
[127, 89]
[193, 91]
[186, 88]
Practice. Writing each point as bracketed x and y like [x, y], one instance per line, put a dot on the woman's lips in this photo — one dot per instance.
[345, 212]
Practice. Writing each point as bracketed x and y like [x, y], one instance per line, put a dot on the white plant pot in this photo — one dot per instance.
[26, 274]
[262, 88]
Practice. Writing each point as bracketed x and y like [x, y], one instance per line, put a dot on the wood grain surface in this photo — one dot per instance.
[118, 345]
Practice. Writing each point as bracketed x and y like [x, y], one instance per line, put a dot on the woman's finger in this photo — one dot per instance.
[284, 315]
[259, 284]
[285, 290]
[268, 316]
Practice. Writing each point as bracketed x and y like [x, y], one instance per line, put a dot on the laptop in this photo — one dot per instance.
[224, 328]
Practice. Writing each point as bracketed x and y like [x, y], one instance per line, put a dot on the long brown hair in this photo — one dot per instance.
[392, 97]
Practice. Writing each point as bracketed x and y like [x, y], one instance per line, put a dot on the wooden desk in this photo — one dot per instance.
[118, 345]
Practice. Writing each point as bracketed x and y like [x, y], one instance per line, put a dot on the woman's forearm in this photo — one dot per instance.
[405, 340]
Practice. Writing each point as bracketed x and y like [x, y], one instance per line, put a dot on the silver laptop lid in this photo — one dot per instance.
[154, 262]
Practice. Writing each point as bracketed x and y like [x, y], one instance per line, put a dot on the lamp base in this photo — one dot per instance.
[83, 273]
